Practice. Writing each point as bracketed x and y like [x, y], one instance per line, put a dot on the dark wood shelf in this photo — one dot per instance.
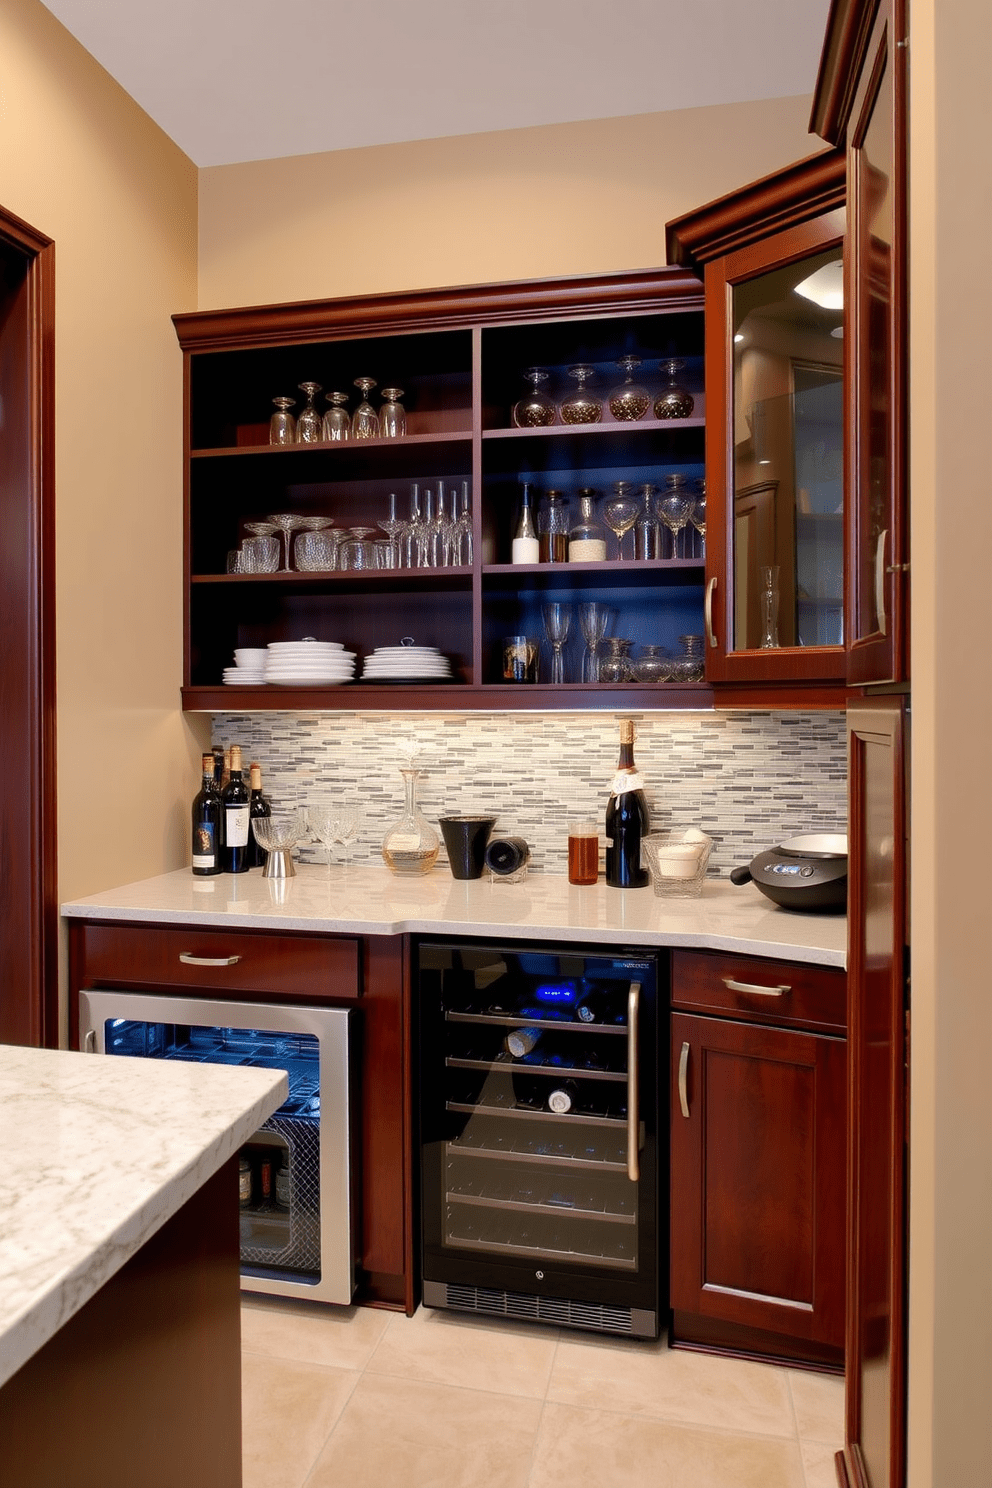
[595, 431]
[336, 447]
[417, 697]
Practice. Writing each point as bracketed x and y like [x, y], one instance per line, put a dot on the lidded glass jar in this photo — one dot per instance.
[535, 410]
[411, 846]
[653, 665]
[552, 527]
[616, 665]
[629, 401]
[674, 402]
[587, 539]
[581, 407]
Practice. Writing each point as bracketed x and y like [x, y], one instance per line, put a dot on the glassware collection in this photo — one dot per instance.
[311, 426]
[617, 666]
[625, 403]
[666, 523]
[437, 534]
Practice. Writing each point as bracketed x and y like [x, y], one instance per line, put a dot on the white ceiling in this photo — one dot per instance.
[233, 80]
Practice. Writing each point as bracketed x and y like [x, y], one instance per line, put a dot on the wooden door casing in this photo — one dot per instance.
[757, 1178]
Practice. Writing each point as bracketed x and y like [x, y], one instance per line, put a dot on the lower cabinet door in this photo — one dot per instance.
[757, 1183]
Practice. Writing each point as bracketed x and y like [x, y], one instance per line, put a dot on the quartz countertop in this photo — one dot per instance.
[98, 1154]
[369, 900]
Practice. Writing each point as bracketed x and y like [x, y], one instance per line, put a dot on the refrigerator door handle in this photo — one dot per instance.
[89, 1041]
[633, 1094]
[684, 1081]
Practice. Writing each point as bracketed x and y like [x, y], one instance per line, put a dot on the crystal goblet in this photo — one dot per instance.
[673, 402]
[535, 410]
[621, 511]
[581, 407]
[309, 423]
[277, 835]
[287, 523]
[332, 824]
[282, 425]
[629, 401]
[337, 423]
[365, 420]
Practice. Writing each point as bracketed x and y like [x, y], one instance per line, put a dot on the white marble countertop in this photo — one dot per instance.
[98, 1154]
[369, 900]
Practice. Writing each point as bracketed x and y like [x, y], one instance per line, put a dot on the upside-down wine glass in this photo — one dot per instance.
[365, 420]
[309, 423]
[620, 512]
[557, 623]
[282, 425]
[593, 621]
[337, 423]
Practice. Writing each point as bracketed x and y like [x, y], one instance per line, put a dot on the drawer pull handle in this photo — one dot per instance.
[684, 1081]
[188, 959]
[749, 987]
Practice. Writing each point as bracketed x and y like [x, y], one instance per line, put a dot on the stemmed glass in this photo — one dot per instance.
[439, 531]
[332, 824]
[536, 410]
[581, 407]
[697, 516]
[461, 533]
[282, 425]
[557, 623]
[412, 530]
[593, 621]
[287, 523]
[629, 401]
[365, 420]
[673, 509]
[337, 424]
[392, 526]
[309, 424]
[620, 512]
[392, 418]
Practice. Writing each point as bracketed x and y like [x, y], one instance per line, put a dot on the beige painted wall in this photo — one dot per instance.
[951, 395]
[525, 203]
[81, 162]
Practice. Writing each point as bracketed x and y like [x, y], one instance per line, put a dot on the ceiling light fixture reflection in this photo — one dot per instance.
[838, 331]
[739, 336]
[825, 286]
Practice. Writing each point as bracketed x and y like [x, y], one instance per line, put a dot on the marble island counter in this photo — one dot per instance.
[106, 1162]
[367, 900]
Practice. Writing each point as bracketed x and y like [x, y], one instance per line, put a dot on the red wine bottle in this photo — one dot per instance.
[207, 809]
[258, 807]
[626, 819]
[236, 805]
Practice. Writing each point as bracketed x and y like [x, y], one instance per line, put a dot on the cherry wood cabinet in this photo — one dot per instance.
[460, 356]
[774, 433]
[368, 973]
[758, 1153]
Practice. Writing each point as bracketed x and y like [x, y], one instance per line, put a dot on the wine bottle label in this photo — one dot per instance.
[525, 550]
[587, 550]
[626, 780]
[204, 845]
[236, 823]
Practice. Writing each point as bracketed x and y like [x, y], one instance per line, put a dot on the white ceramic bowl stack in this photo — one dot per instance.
[308, 663]
[406, 664]
[249, 667]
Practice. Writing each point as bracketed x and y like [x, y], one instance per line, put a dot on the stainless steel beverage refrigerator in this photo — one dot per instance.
[539, 1134]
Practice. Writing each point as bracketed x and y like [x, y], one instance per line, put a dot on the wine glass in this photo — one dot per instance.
[282, 425]
[673, 402]
[337, 423]
[697, 516]
[535, 410]
[309, 424]
[287, 523]
[332, 824]
[593, 621]
[412, 530]
[629, 401]
[557, 623]
[365, 420]
[620, 512]
[581, 407]
[438, 532]
[392, 418]
[461, 533]
[392, 526]
[673, 509]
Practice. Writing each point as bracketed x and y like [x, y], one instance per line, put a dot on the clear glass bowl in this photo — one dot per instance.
[677, 860]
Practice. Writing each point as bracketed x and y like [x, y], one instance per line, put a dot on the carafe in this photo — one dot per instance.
[411, 845]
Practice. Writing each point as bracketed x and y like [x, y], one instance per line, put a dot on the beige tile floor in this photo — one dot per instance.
[353, 1398]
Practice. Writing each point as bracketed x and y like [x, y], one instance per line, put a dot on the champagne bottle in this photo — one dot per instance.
[526, 545]
[258, 806]
[564, 1097]
[236, 806]
[207, 809]
[626, 819]
[522, 1041]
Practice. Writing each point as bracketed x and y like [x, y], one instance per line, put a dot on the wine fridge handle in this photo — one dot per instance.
[188, 959]
[708, 611]
[633, 1094]
[684, 1081]
[89, 1041]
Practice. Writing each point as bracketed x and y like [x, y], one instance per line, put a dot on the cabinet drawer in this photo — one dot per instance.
[220, 961]
[783, 993]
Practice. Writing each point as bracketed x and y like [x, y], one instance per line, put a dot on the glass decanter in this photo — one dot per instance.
[647, 538]
[309, 424]
[615, 666]
[365, 420]
[337, 423]
[552, 527]
[581, 407]
[535, 410]
[674, 402]
[629, 401]
[392, 417]
[282, 425]
[411, 846]
[587, 539]
[653, 665]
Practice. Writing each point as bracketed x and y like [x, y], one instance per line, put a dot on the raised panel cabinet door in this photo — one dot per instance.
[758, 1177]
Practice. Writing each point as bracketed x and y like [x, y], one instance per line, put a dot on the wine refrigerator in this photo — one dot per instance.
[539, 1134]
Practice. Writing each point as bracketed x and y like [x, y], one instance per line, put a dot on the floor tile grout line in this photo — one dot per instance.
[324, 1444]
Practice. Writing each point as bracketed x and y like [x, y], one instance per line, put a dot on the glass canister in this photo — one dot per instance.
[411, 846]
[552, 528]
[587, 539]
[615, 666]
[653, 665]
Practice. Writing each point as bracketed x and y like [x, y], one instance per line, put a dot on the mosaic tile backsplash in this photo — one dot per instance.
[747, 779]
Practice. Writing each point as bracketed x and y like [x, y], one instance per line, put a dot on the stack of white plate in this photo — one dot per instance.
[308, 663]
[249, 667]
[406, 664]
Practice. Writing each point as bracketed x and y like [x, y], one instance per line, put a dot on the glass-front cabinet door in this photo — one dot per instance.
[775, 318]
